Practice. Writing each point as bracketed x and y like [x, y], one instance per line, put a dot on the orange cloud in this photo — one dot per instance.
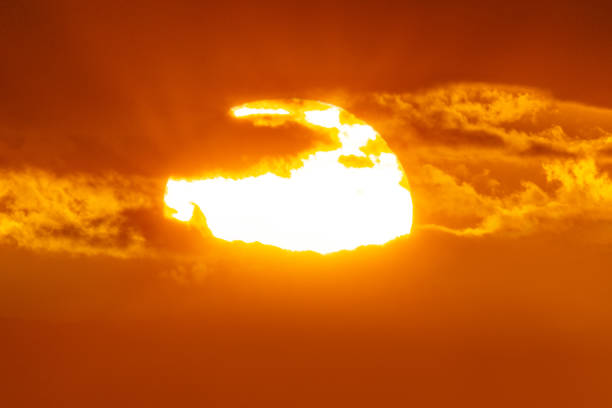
[487, 159]
[583, 193]
[513, 120]
[80, 214]
[481, 159]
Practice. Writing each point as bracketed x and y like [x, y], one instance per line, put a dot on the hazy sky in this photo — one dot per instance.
[501, 116]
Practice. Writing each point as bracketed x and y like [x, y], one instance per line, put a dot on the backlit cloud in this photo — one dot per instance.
[80, 214]
[489, 159]
[481, 159]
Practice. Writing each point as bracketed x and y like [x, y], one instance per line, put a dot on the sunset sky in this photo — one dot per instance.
[500, 115]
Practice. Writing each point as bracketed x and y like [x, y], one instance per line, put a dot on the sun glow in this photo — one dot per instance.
[354, 195]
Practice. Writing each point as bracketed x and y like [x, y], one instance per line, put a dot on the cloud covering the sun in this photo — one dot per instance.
[482, 159]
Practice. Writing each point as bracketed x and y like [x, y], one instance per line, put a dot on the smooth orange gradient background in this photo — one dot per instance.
[499, 298]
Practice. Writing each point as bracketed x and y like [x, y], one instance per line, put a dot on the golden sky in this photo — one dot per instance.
[500, 116]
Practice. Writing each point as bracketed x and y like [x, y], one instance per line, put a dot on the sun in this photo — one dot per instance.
[352, 195]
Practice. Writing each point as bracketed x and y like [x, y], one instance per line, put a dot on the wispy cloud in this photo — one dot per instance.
[486, 159]
[481, 159]
[80, 214]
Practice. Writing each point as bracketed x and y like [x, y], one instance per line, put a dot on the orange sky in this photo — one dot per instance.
[501, 117]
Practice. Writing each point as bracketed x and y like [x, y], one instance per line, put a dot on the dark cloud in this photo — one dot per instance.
[457, 138]
[547, 150]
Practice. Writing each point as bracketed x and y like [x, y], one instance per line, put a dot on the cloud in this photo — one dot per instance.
[472, 105]
[79, 213]
[489, 159]
[516, 120]
[481, 159]
[583, 193]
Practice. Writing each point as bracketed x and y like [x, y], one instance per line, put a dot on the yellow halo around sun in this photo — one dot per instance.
[356, 194]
